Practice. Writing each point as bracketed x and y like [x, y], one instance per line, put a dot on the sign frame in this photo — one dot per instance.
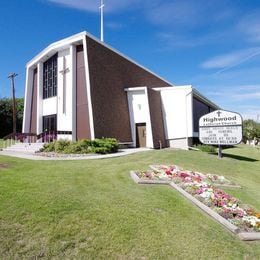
[221, 130]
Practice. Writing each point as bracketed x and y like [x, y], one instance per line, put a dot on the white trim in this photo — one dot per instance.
[74, 104]
[56, 46]
[132, 115]
[149, 123]
[91, 119]
[135, 89]
[27, 117]
[189, 115]
[196, 94]
[39, 97]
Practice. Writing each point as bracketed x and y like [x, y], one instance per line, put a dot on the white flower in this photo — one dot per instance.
[206, 194]
[221, 178]
[251, 219]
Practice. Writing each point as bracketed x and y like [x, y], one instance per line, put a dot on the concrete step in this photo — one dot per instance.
[24, 147]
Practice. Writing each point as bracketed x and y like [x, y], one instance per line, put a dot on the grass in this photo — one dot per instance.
[93, 210]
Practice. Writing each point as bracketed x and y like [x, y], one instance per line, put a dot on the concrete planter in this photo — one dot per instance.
[138, 180]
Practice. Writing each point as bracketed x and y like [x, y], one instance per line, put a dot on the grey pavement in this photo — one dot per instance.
[39, 157]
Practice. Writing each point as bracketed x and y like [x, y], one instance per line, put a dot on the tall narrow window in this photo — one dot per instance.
[50, 77]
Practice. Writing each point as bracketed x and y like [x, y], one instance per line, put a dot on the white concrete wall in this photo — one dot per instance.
[49, 106]
[62, 104]
[27, 101]
[179, 143]
[64, 137]
[64, 91]
[66, 119]
[39, 97]
[139, 113]
[177, 112]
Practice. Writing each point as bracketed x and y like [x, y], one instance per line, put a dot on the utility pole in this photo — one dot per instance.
[12, 76]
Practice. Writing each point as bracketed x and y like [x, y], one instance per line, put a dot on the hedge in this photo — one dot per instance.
[101, 146]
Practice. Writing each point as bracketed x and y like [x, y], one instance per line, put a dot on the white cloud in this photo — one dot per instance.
[172, 40]
[247, 96]
[114, 25]
[250, 27]
[93, 5]
[169, 12]
[90, 5]
[252, 112]
[230, 60]
[215, 94]
[175, 13]
[248, 87]
[181, 14]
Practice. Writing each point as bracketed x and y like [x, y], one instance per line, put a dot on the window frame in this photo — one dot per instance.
[50, 77]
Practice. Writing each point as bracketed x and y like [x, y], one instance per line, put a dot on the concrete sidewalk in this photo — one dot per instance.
[62, 157]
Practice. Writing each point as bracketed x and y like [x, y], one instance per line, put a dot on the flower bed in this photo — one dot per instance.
[202, 188]
[172, 170]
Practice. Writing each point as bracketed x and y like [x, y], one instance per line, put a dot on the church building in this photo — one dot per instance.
[81, 88]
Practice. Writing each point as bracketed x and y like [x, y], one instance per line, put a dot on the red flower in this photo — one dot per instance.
[168, 172]
[184, 175]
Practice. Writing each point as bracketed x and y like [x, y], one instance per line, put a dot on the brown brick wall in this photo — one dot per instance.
[156, 115]
[199, 109]
[82, 114]
[110, 74]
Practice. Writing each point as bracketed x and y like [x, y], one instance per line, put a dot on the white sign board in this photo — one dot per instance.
[220, 128]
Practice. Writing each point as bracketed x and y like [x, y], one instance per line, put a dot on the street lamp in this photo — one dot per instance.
[12, 76]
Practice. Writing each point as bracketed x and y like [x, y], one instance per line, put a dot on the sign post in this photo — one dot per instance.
[220, 128]
[219, 151]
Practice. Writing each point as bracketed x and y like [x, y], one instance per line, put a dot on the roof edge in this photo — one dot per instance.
[56, 45]
[78, 37]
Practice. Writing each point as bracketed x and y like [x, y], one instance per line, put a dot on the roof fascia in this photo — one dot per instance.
[56, 46]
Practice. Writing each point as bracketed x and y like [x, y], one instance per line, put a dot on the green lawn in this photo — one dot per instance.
[93, 210]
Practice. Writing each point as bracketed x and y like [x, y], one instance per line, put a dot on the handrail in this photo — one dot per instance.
[19, 136]
[46, 136]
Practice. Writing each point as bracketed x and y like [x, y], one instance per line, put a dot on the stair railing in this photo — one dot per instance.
[45, 137]
[14, 138]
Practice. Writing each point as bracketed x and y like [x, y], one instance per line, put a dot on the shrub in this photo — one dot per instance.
[101, 150]
[61, 145]
[73, 147]
[102, 146]
[85, 145]
[48, 147]
[207, 148]
[108, 145]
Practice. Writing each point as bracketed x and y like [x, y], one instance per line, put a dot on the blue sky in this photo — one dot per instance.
[213, 45]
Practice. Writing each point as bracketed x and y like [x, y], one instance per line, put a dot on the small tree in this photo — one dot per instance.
[6, 115]
[251, 129]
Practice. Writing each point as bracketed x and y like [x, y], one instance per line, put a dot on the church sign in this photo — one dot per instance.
[220, 128]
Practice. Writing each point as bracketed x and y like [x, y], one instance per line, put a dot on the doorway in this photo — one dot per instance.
[49, 123]
[141, 135]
